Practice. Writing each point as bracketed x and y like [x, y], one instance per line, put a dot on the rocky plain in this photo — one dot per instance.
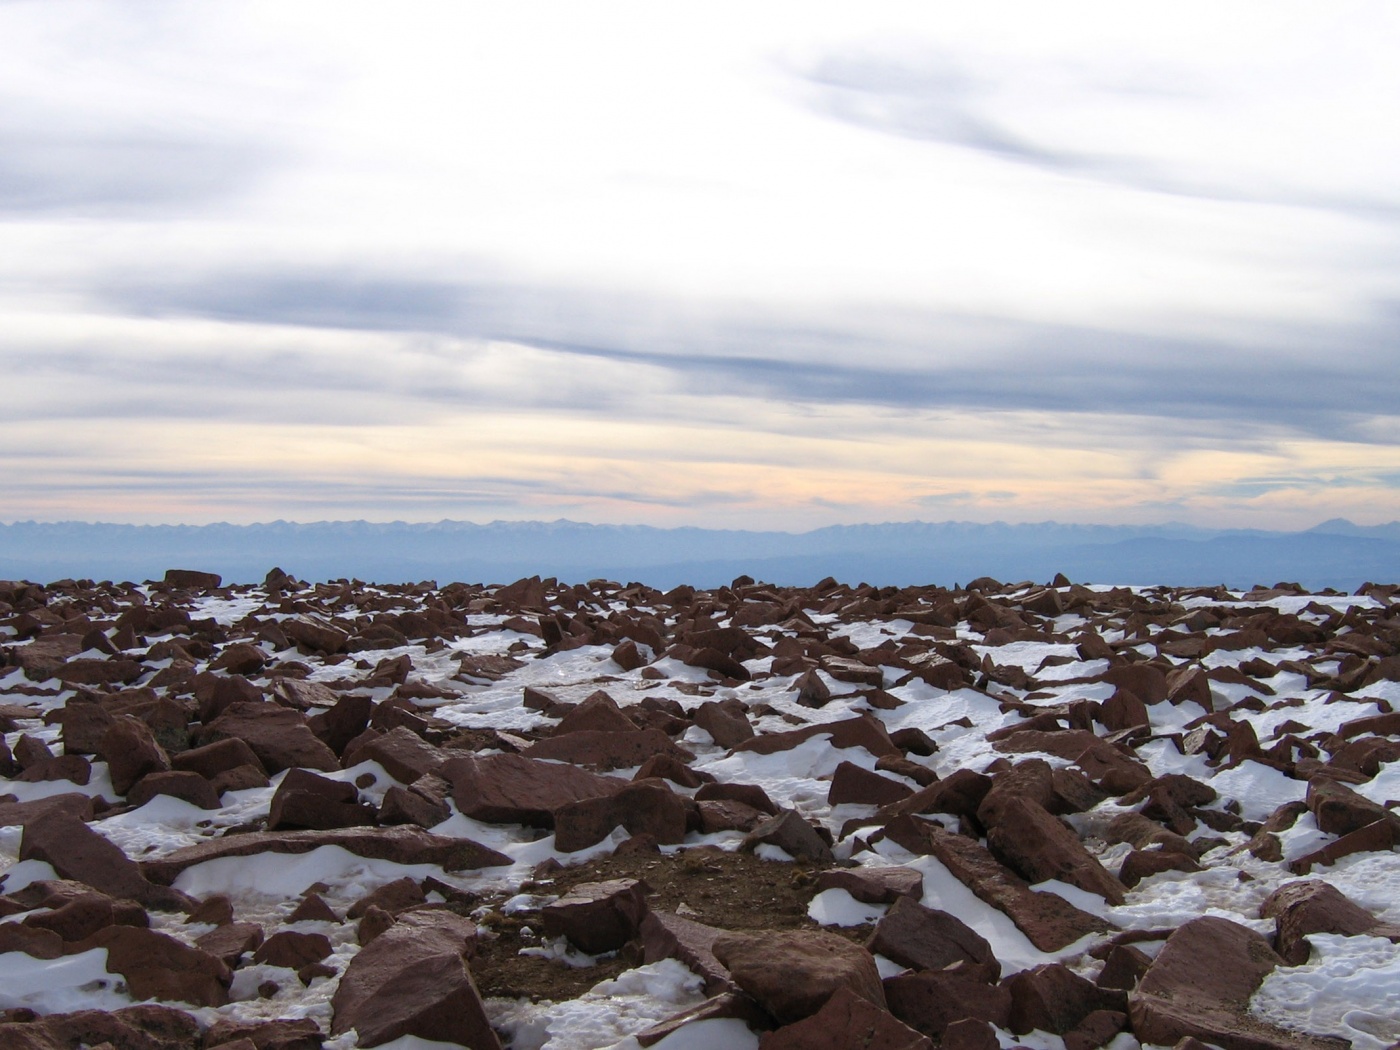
[572, 816]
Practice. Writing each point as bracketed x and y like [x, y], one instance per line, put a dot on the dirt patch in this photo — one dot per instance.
[732, 891]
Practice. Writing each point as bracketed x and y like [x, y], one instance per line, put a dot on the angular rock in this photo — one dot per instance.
[726, 722]
[278, 735]
[413, 979]
[157, 966]
[1312, 906]
[667, 936]
[192, 579]
[597, 917]
[293, 949]
[1038, 847]
[607, 750]
[1338, 810]
[792, 973]
[1053, 998]
[790, 832]
[189, 787]
[846, 1020]
[402, 845]
[305, 800]
[931, 1001]
[598, 713]
[641, 807]
[874, 885]
[404, 755]
[130, 751]
[853, 783]
[231, 941]
[1200, 985]
[77, 852]
[927, 939]
[513, 789]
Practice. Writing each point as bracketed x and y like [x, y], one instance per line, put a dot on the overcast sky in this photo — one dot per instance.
[771, 264]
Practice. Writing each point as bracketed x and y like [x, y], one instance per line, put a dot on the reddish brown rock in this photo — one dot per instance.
[77, 852]
[413, 979]
[792, 973]
[860, 731]
[305, 800]
[292, 949]
[513, 789]
[393, 897]
[409, 805]
[1312, 906]
[598, 713]
[315, 634]
[970, 1034]
[791, 833]
[927, 939]
[1053, 998]
[930, 1001]
[724, 721]
[212, 759]
[157, 966]
[404, 755]
[1038, 847]
[342, 722]
[1339, 810]
[189, 787]
[131, 751]
[874, 885]
[278, 735]
[75, 912]
[667, 936]
[18, 814]
[1200, 985]
[641, 807]
[402, 845]
[597, 916]
[853, 783]
[143, 1027]
[668, 768]
[226, 1032]
[1381, 835]
[1048, 920]
[604, 751]
[1140, 864]
[748, 794]
[239, 658]
[231, 942]
[32, 940]
[192, 579]
[846, 1020]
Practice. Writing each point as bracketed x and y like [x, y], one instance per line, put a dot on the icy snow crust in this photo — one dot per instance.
[1346, 988]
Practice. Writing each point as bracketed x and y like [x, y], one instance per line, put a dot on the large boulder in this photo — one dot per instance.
[927, 939]
[413, 979]
[157, 966]
[278, 735]
[513, 789]
[792, 973]
[847, 1020]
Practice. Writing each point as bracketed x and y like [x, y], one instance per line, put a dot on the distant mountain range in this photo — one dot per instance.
[1336, 553]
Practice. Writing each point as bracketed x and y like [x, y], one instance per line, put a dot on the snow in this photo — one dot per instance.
[1347, 988]
[71, 982]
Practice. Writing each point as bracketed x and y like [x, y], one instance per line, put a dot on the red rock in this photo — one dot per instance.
[927, 939]
[748, 794]
[729, 1004]
[73, 768]
[284, 1034]
[292, 949]
[231, 942]
[239, 658]
[14, 814]
[970, 1034]
[404, 755]
[790, 832]
[1311, 906]
[1339, 810]
[76, 912]
[1038, 847]
[192, 579]
[597, 916]
[30, 751]
[668, 768]
[1200, 985]
[792, 973]
[853, 783]
[930, 1001]
[98, 672]
[846, 1020]
[1123, 968]
[279, 736]
[315, 634]
[312, 908]
[305, 800]
[190, 787]
[212, 759]
[1053, 998]
[1190, 683]
[607, 750]
[146, 1026]
[131, 752]
[77, 852]
[32, 940]
[874, 885]
[1143, 680]
[640, 807]
[724, 721]
[413, 979]
[1097, 1029]
[402, 845]
[157, 966]
[406, 805]
[860, 731]
[1139, 864]
[728, 816]
[598, 713]
[1048, 920]
[1123, 710]
[1382, 835]
[667, 936]
[513, 789]
[343, 722]
[394, 897]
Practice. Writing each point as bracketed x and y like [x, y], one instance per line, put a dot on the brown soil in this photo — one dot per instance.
[732, 891]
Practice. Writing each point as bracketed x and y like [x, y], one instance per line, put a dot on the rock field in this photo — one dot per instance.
[542, 815]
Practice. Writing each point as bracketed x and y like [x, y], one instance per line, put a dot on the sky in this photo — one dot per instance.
[775, 265]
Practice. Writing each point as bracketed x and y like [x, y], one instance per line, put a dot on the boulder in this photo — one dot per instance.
[1053, 998]
[77, 852]
[513, 789]
[305, 800]
[404, 754]
[278, 735]
[192, 579]
[1200, 985]
[931, 1001]
[157, 966]
[853, 783]
[130, 751]
[1038, 847]
[607, 750]
[1312, 906]
[413, 979]
[597, 916]
[846, 1020]
[792, 973]
[189, 787]
[927, 939]
[791, 833]
[874, 885]
[641, 807]
[667, 936]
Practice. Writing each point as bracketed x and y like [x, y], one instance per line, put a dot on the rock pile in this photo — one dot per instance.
[981, 800]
